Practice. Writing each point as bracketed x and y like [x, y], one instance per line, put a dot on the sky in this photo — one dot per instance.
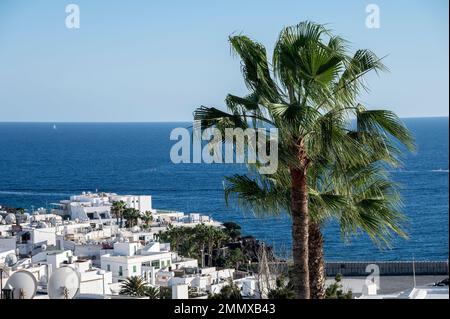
[153, 61]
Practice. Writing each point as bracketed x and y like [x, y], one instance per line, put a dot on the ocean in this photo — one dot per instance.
[40, 165]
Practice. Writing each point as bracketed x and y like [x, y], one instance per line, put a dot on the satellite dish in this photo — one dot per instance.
[10, 219]
[64, 283]
[11, 259]
[43, 247]
[23, 285]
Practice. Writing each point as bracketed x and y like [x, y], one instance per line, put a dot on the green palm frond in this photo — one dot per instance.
[134, 286]
[255, 67]
[259, 195]
[384, 121]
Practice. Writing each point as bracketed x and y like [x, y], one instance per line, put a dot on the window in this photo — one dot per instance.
[155, 263]
[134, 269]
[120, 271]
[108, 267]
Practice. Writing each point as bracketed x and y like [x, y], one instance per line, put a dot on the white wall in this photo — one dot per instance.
[57, 259]
[126, 249]
[43, 236]
[8, 243]
[95, 282]
[130, 266]
[180, 292]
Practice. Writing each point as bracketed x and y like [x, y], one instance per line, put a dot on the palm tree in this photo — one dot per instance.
[282, 290]
[361, 199]
[308, 93]
[117, 210]
[134, 286]
[220, 237]
[132, 216]
[229, 291]
[201, 235]
[235, 258]
[173, 235]
[336, 291]
[211, 234]
[233, 230]
[152, 292]
[147, 217]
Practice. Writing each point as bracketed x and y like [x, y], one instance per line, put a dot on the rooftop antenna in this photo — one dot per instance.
[22, 285]
[64, 283]
[263, 272]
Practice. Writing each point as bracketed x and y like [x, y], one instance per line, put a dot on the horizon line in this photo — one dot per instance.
[162, 122]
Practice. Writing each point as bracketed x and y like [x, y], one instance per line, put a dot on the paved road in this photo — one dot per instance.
[388, 284]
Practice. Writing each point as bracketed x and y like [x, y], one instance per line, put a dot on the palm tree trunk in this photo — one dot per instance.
[316, 262]
[210, 252]
[203, 255]
[300, 219]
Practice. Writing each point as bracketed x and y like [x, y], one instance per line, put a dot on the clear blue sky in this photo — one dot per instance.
[158, 60]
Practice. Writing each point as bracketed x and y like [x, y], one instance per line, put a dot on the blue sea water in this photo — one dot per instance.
[40, 165]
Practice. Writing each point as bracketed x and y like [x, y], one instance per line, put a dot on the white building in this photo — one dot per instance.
[175, 218]
[89, 206]
[142, 203]
[131, 259]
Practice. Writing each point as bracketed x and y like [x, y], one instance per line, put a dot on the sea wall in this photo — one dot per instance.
[387, 268]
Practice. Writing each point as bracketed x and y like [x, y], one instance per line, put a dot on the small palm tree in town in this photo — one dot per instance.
[233, 230]
[147, 218]
[173, 235]
[134, 286]
[229, 291]
[117, 210]
[152, 292]
[202, 234]
[309, 93]
[132, 216]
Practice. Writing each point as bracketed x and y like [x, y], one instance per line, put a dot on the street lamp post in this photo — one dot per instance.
[1, 283]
